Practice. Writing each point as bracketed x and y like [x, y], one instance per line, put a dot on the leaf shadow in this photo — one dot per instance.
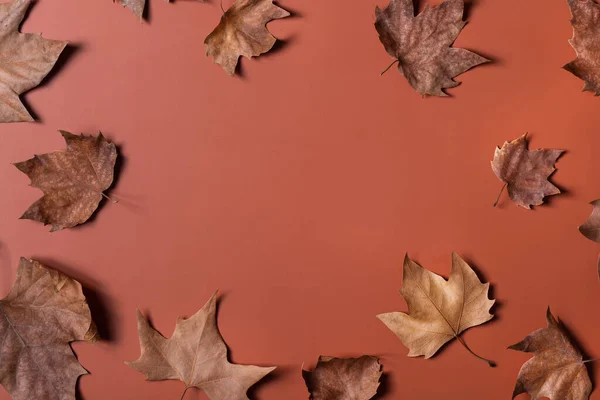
[590, 367]
[270, 377]
[491, 292]
[277, 47]
[69, 51]
[273, 375]
[98, 303]
[294, 13]
[384, 388]
[97, 300]
[469, 5]
[67, 54]
[146, 14]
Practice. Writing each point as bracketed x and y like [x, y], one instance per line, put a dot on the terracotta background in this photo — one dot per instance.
[297, 188]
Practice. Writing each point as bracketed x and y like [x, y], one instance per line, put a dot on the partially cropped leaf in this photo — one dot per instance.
[438, 310]
[44, 311]
[526, 172]
[557, 370]
[73, 180]
[586, 43]
[196, 355]
[243, 32]
[422, 45]
[344, 378]
[136, 6]
[591, 227]
[25, 59]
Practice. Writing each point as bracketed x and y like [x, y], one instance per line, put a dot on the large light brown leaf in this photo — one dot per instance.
[73, 180]
[438, 310]
[43, 312]
[422, 44]
[25, 59]
[196, 355]
[524, 172]
[586, 43]
[344, 378]
[557, 370]
[243, 32]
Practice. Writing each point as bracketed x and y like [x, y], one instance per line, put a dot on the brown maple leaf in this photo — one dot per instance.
[137, 6]
[243, 32]
[438, 310]
[557, 370]
[73, 180]
[25, 59]
[44, 311]
[525, 173]
[586, 43]
[421, 45]
[344, 378]
[196, 355]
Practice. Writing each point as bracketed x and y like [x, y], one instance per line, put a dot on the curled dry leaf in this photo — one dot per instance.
[344, 378]
[422, 45]
[243, 32]
[525, 173]
[25, 59]
[586, 43]
[196, 355]
[438, 310]
[44, 311]
[557, 370]
[73, 180]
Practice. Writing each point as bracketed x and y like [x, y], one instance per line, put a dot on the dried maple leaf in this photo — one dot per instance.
[422, 45]
[438, 310]
[586, 43]
[557, 370]
[25, 59]
[44, 311]
[196, 355]
[525, 173]
[73, 180]
[243, 32]
[344, 378]
[137, 6]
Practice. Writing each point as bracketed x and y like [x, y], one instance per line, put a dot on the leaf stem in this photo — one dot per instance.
[499, 194]
[184, 392]
[593, 359]
[222, 9]
[389, 66]
[108, 198]
[490, 363]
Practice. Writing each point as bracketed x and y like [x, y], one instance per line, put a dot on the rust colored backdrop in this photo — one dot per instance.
[297, 188]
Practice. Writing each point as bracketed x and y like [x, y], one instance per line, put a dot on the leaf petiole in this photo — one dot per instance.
[499, 194]
[389, 66]
[593, 359]
[490, 363]
[184, 392]
[108, 198]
